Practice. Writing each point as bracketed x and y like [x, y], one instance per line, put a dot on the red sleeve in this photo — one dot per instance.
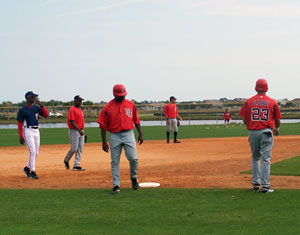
[45, 112]
[103, 119]
[243, 112]
[166, 110]
[136, 119]
[20, 129]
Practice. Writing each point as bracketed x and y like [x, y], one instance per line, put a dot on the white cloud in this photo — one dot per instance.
[96, 9]
[250, 8]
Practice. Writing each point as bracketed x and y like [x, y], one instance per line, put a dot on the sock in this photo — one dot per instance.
[168, 135]
[175, 136]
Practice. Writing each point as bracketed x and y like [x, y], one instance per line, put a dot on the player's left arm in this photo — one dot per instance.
[277, 116]
[20, 130]
[277, 125]
[137, 124]
[139, 129]
[44, 110]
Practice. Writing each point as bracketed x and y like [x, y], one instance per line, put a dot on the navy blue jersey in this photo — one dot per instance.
[29, 115]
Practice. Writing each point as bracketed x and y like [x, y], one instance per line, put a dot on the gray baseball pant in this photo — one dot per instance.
[117, 141]
[261, 143]
[173, 125]
[77, 142]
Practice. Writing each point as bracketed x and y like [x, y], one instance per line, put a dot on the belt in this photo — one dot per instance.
[32, 127]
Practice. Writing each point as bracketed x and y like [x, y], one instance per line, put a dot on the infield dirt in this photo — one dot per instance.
[195, 163]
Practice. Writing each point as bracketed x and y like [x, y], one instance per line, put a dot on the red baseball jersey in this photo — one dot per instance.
[76, 115]
[227, 115]
[118, 116]
[171, 110]
[260, 111]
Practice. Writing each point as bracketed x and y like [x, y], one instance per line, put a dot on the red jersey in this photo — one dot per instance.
[260, 112]
[118, 116]
[76, 115]
[227, 115]
[171, 110]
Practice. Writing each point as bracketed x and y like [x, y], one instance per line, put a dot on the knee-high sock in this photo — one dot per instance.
[175, 135]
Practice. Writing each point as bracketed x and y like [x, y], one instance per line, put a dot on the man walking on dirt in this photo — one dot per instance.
[262, 116]
[119, 117]
[76, 134]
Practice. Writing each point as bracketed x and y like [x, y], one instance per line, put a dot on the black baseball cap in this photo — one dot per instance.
[172, 97]
[78, 97]
[30, 93]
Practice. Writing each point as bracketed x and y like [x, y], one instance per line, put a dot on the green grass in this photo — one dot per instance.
[9, 137]
[289, 166]
[149, 211]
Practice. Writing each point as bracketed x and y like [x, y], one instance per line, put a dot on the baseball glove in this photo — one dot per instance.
[178, 123]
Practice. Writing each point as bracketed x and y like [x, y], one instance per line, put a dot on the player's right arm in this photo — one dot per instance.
[166, 114]
[20, 119]
[243, 113]
[104, 143]
[72, 122]
[20, 130]
[103, 124]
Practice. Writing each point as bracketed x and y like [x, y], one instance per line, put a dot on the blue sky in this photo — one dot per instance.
[193, 49]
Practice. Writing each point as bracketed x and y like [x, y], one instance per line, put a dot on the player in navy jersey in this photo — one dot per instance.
[28, 127]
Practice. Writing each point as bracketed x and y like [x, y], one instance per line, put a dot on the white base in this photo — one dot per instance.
[149, 185]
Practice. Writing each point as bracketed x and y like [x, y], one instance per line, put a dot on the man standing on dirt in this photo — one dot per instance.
[28, 127]
[262, 116]
[119, 117]
[171, 113]
[76, 134]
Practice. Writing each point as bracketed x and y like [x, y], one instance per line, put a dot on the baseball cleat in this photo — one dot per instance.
[177, 142]
[116, 190]
[267, 190]
[67, 166]
[78, 168]
[33, 175]
[135, 184]
[26, 170]
[256, 188]
[168, 141]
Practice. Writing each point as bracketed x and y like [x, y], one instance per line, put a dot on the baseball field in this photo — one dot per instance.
[205, 186]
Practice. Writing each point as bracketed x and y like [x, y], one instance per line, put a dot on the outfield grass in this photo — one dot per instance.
[9, 137]
[149, 211]
[286, 167]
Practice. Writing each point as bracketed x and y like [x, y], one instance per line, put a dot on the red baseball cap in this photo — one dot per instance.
[119, 90]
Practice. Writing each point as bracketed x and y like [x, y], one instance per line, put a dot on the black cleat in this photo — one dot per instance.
[116, 190]
[33, 175]
[78, 168]
[267, 190]
[67, 166]
[26, 170]
[135, 184]
[168, 141]
[255, 188]
[177, 142]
